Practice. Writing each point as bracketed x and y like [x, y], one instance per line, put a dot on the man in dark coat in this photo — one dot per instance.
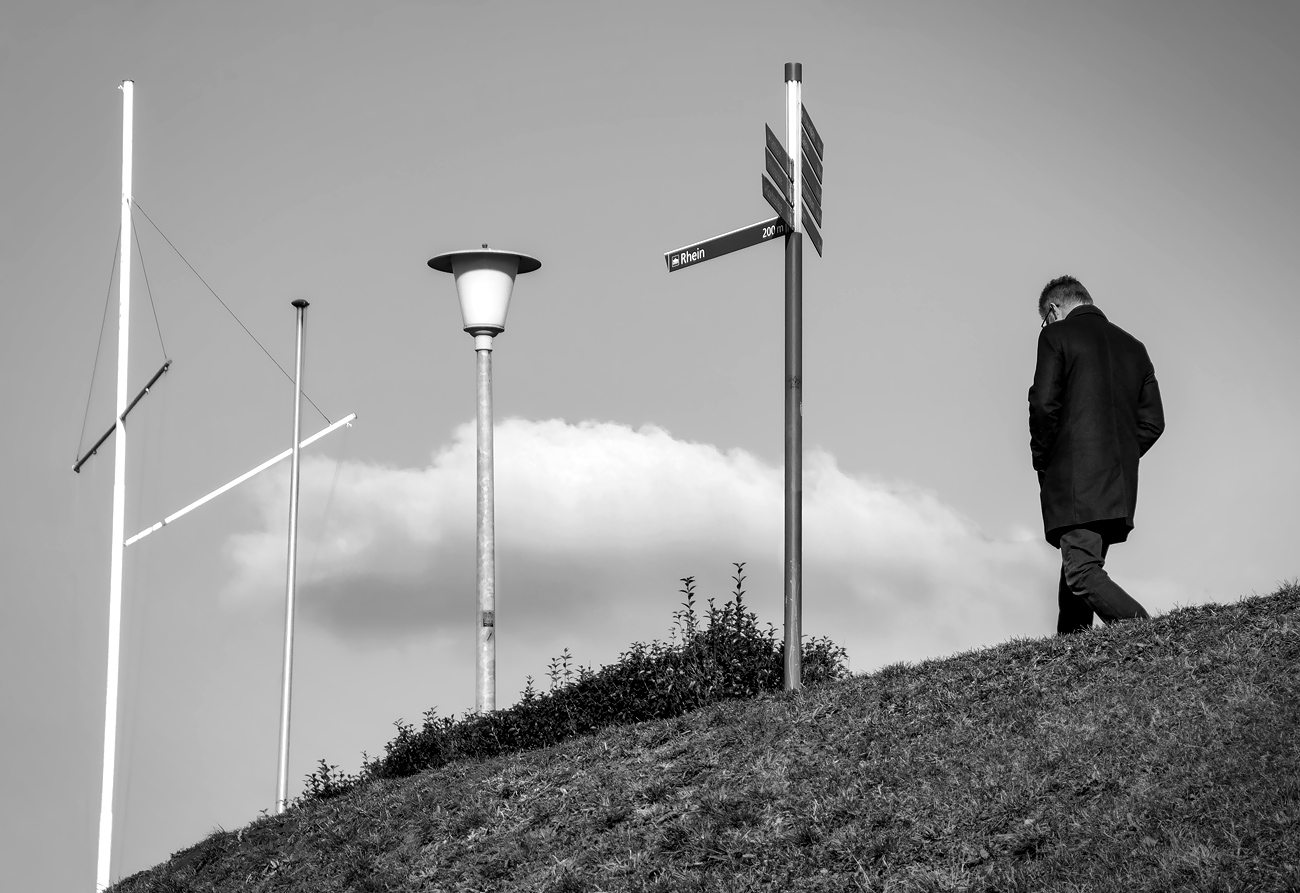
[1094, 410]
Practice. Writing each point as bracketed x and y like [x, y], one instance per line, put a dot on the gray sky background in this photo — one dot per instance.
[326, 150]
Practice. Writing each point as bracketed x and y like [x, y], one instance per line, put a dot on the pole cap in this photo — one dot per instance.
[300, 303]
[794, 71]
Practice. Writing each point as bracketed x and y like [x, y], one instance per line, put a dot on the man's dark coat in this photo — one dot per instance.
[1094, 410]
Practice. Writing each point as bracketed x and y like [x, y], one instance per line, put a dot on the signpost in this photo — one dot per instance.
[812, 196]
[812, 186]
[816, 138]
[811, 229]
[778, 201]
[778, 151]
[725, 243]
[794, 191]
[812, 150]
[809, 153]
[777, 172]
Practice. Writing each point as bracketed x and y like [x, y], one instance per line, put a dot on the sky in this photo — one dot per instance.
[325, 151]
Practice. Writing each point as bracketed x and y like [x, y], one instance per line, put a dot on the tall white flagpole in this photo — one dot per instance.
[291, 585]
[119, 502]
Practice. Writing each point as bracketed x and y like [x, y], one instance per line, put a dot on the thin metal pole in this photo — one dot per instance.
[279, 457]
[291, 586]
[793, 671]
[486, 675]
[105, 861]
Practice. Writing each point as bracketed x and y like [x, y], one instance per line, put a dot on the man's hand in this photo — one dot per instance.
[1151, 414]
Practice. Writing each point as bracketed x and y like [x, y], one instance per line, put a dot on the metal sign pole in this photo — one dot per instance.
[794, 191]
[291, 585]
[793, 676]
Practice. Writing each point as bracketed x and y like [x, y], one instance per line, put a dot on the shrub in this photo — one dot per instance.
[710, 656]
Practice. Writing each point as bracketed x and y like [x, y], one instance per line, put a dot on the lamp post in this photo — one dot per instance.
[485, 278]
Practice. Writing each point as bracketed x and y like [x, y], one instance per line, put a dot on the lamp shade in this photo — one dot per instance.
[484, 280]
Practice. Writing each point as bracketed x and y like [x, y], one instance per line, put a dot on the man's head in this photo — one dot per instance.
[1059, 297]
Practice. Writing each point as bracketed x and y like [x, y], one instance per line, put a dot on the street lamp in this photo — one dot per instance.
[484, 279]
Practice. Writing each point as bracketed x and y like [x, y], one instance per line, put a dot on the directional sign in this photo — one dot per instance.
[811, 183]
[778, 202]
[813, 136]
[810, 229]
[779, 176]
[725, 243]
[811, 155]
[778, 152]
[812, 202]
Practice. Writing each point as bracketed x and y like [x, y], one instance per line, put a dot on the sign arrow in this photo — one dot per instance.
[813, 136]
[725, 243]
[778, 152]
[778, 202]
[779, 176]
[812, 202]
[810, 155]
[810, 230]
[811, 184]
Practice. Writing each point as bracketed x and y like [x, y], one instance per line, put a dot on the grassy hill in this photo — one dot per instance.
[1161, 755]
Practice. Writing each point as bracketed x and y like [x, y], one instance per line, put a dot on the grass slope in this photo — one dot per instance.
[1162, 755]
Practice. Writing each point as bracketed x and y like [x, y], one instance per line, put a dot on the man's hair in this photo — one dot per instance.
[1063, 290]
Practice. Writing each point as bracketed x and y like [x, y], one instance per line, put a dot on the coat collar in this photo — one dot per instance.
[1085, 309]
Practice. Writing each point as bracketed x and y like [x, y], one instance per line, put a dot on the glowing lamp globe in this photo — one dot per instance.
[485, 278]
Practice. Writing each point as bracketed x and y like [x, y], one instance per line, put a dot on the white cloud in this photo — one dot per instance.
[597, 521]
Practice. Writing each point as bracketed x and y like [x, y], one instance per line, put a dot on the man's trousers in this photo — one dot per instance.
[1086, 588]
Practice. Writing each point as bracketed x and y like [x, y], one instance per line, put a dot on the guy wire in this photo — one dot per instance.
[148, 289]
[112, 271]
[228, 310]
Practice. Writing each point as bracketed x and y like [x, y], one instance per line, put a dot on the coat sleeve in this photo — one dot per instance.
[1045, 401]
[1151, 413]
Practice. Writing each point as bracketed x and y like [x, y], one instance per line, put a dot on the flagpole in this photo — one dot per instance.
[291, 586]
[119, 502]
